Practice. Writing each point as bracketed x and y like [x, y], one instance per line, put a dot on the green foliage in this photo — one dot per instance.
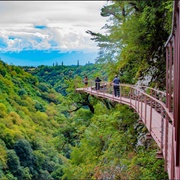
[27, 124]
[134, 44]
[3, 156]
[16, 169]
[109, 148]
[39, 106]
[2, 72]
[13, 161]
[43, 87]
[22, 92]
[3, 110]
[24, 152]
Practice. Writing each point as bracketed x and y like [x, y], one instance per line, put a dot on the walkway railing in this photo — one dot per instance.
[150, 104]
[173, 88]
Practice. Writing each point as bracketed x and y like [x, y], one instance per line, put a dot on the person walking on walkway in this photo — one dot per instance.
[116, 84]
[97, 83]
[86, 81]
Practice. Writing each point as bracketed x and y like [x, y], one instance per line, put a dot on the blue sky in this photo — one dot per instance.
[43, 32]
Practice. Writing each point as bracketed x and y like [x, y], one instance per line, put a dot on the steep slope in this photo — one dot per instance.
[29, 119]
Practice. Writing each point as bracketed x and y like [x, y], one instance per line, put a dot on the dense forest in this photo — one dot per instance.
[50, 132]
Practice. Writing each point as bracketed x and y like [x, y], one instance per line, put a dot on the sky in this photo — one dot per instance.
[36, 33]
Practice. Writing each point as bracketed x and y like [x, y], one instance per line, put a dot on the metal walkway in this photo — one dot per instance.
[152, 111]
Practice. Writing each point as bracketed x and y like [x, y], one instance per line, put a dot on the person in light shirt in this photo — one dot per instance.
[86, 81]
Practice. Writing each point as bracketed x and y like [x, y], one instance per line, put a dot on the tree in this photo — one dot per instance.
[13, 161]
[22, 92]
[3, 110]
[133, 46]
[25, 153]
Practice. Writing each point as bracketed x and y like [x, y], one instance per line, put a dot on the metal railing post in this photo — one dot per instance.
[145, 108]
[162, 128]
[150, 124]
[166, 141]
[113, 90]
[138, 100]
[130, 96]
[91, 86]
[142, 99]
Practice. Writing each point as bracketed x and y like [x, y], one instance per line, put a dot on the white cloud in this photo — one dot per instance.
[66, 23]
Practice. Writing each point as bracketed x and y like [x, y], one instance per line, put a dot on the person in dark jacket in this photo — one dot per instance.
[97, 83]
[116, 84]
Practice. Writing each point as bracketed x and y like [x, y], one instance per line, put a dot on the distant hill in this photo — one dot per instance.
[40, 57]
[56, 75]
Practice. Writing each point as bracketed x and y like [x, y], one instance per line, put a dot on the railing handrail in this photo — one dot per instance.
[130, 85]
[158, 101]
[157, 90]
[136, 87]
[173, 22]
[139, 86]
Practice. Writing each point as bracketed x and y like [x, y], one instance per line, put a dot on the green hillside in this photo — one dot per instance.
[30, 119]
